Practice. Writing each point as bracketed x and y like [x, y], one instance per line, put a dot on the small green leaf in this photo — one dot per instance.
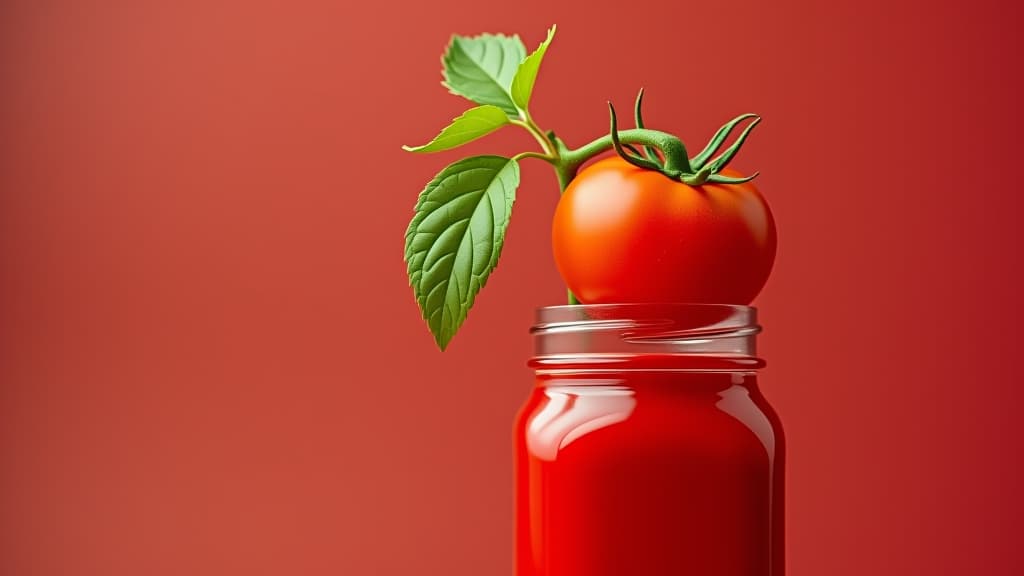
[481, 68]
[454, 240]
[526, 74]
[474, 123]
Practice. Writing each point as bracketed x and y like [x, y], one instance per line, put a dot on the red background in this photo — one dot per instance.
[210, 362]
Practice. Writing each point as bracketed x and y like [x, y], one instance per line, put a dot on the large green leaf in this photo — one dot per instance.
[473, 124]
[481, 68]
[526, 74]
[454, 240]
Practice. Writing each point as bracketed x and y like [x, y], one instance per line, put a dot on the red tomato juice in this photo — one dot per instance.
[648, 468]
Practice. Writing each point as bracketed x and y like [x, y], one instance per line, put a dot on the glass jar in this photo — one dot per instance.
[646, 447]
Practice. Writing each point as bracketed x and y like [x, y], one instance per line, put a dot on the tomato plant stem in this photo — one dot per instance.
[671, 147]
[530, 126]
[568, 161]
[536, 155]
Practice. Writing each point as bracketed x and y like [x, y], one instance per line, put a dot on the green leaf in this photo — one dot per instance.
[526, 74]
[474, 123]
[481, 68]
[454, 240]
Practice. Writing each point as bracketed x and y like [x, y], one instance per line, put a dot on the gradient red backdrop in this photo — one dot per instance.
[210, 361]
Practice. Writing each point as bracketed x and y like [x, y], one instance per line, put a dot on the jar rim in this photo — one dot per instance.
[647, 305]
[675, 328]
[683, 314]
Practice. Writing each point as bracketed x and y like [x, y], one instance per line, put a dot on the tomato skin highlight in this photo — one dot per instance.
[625, 234]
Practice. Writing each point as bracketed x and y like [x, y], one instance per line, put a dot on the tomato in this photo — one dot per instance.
[625, 234]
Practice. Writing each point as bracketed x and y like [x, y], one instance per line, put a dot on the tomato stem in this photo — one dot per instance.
[536, 155]
[538, 134]
[671, 147]
[677, 166]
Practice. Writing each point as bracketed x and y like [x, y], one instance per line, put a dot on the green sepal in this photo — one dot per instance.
[634, 159]
[649, 151]
[719, 179]
[716, 141]
[725, 157]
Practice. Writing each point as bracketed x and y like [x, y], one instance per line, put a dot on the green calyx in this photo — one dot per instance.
[677, 165]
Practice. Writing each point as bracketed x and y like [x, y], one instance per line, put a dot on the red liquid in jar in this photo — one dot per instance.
[642, 471]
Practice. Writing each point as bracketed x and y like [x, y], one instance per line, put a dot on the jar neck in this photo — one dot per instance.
[685, 337]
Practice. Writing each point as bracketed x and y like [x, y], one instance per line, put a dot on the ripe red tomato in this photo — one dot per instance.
[625, 234]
